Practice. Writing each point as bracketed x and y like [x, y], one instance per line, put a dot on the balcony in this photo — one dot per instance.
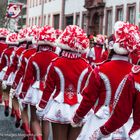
[89, 4]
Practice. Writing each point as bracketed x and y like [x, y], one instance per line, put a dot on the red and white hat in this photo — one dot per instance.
[12, 39]
[22, 34]
[47, 36]
[73, 38]
[58, 32]
[127, 37]
[4, 32]
[33, 33]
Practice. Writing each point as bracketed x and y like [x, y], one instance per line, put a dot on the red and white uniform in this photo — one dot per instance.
[134, 57]
[3, 46]
[128, 100]
[5, 60]
[65, 80]
[97, 54]
[103, 85]
[17, 84]
[33, 81]
[10, 73]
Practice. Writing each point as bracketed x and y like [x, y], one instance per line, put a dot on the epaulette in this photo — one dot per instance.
[135, 69]
[84, 59]
[55, 59]
[103, 62]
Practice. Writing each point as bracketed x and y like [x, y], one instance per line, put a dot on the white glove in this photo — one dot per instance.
[4, 86]
[39, 112]
[135, 135]
[12, 92]
[97, 135]
[73, 124]
[76, 121]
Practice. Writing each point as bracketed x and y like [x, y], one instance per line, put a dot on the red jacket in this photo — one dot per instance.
[3, 46]
[67, 74]
[135, 57]
[102, 85]
[14, 65]
[37, 68]
[5, 58]
[24, 60]
[129, 100]
[97, 55]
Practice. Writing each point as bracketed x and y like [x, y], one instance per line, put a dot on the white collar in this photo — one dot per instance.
[70, 54]
[119, 57]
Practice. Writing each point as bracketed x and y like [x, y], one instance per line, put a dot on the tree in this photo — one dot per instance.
[3, 8]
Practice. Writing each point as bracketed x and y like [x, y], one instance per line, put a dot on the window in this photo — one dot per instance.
[36, 2]
[39, 1]
[44, 20]
[29, 21]
[33, 3]
[56, 21]
[131, 13]
[32, 21]
[49, 19]
[84, 22]
[119, 13]
[35, 20]
[39, 21]
[77, 20]
[69, 20]
[30, 3]
[24, 21]
[109, 22]
[24, 11]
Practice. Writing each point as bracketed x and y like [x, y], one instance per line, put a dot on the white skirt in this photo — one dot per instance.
[10, 79]
[33, 96]
[2, 73]
[60, 112]
[93, 123]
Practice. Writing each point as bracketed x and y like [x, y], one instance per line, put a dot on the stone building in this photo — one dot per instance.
[94, 16]
[57, 13]
[102, 14]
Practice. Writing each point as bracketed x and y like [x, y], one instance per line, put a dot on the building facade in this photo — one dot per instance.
[126, 10]
[102, 14]
[94, 16]
[57, 13]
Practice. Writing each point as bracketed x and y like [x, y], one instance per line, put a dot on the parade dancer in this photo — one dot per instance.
[25, 39]
[98, 51]
[105, 83]
[6, 61]
[127, 102]
[33, 81]
[10, 75]
[65, 79]
[3, 33]
[17, 84]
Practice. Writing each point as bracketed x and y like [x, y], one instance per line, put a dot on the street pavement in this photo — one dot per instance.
[8, 131]
[7, 128]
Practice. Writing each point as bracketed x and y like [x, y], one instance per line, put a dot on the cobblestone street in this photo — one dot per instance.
[7, 128]
[8, 131]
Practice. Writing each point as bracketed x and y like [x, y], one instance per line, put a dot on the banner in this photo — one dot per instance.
[13, 10]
